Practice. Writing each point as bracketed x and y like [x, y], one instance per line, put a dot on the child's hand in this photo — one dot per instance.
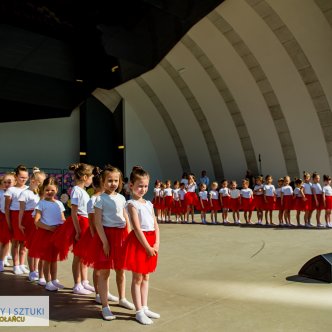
[52, 228]
[78, 235]
[151, 251]
[156, 247]
[22, 228]
[106, 249]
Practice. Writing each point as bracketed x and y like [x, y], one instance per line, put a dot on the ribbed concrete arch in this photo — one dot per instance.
[229, 100]
[264, 86]
[200, 117]
[168, 122]
[326, 7]
[302, 64]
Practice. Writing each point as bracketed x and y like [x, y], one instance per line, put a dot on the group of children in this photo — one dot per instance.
[104, 232]
[306, 196]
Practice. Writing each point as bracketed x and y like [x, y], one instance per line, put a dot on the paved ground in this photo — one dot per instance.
[210, 278]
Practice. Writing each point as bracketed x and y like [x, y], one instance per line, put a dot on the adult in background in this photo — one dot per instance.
[204, 179]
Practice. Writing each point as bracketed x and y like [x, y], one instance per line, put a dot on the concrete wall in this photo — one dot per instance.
[52, 143]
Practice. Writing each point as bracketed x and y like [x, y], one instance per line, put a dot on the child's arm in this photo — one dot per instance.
[315, 195]
[125, 214]
[156, 227]
[92, 223]
[20, 216]
[39, 224]
[303, 194]
[100, 231]
[8, 201]
[138, 231]
[74, 209]
[324, 199]
[281, 198]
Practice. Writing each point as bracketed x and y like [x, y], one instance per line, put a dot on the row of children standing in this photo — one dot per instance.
[264, 198]
[104, 232]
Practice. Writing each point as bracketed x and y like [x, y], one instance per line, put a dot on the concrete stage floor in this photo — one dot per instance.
[209, 278]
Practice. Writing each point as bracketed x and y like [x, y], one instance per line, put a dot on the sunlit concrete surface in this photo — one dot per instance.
[209, 278]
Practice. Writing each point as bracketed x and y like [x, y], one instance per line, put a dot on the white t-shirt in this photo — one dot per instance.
[91, 204]
[246, 192]
[191, 188]
[224, 192]
[50, 212]
[317, 188]
[214, 194]
[168, 192]
[234, 193]
[287, 190]
[269, 190]
[2, 200]
[145, 214]
[156, 192]
[176, 194]
[257, 187]
[203, 195]
[112, 210]
[29, 198]
[182, 192]
[80, 198]
[14, 193]
[307, 188]
[297, 192]
[327, 190]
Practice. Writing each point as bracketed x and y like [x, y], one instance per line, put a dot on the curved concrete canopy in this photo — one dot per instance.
[248, 87]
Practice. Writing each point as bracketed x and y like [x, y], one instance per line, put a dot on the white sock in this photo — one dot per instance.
[150, 313]
[143, 318]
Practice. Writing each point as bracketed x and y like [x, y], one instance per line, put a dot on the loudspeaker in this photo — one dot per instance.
[319, 268]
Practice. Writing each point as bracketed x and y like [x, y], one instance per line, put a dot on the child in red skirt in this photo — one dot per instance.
[247, 201]
[269, 199]
[225, 200]
[235, 202]
[307, 188]
[259, 199]
[12, 207]
[278, 205]
[176, 208]
[142, 246]
[204, 202]
[49, 214]
[8, 181]
[214, 202]
[299, 199]
[168, 201]
[286, 196]
[28, 201]
[327, 199]
[191, 199]
[156, 199]
[317, 197]
[183, 208]
[106, 252]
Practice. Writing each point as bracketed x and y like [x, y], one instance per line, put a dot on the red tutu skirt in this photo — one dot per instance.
[176, 208]
[64, 236]
[29, 227]
[328, 202]
[168, 202]
[247, 204]
[96, 257]
[270, 203]
[320, 205]
[83, 246]
[43, 247]
[259, 202]
[5, 235]
[278, 204]
[206, 205]
[235, 204]
[17, 233]
[299, 204]
[226, 202]
[308, 202]
[287, 202]
[190, 198]
[136, 258]
[215, 205]
[183, 207]
[156, 202]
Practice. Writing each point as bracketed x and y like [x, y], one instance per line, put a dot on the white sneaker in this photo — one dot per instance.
[110, 297]
[79, 289]
[32, 276]
[50, 287]
[107, 313]
[150, 313]
[87, 286]
[9, 257]
[126, 304]
[6, 263]
[42, 282]
[142, 318]
[17, 270]
[24, 269]
[57, 284]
